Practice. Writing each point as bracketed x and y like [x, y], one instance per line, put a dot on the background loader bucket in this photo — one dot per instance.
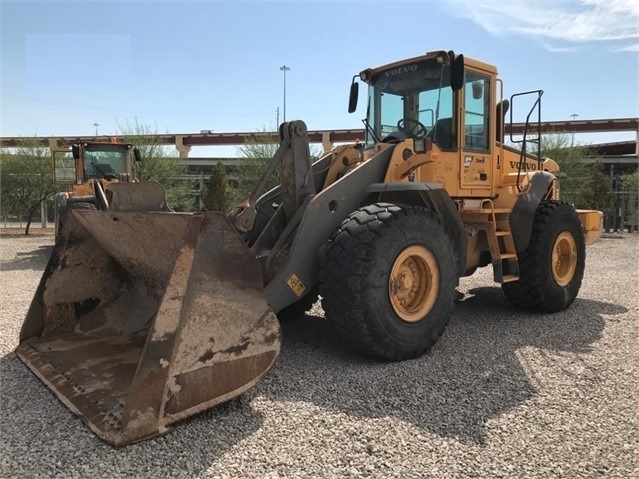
[142, 319]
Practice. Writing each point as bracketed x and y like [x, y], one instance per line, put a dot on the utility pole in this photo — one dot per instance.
[284, 68]
[574, 117]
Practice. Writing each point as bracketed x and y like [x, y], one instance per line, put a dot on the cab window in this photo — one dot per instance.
[477, 111]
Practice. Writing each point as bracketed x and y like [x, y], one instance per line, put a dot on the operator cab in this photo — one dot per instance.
[412, 99]
[105, 161]
[93, 161]
[445, 103]
[418, 98]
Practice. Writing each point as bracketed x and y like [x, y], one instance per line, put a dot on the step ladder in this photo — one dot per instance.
[496, 223]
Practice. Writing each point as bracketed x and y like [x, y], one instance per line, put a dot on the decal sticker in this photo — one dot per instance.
[296, 285]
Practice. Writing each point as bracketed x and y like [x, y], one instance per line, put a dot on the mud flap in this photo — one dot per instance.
[142, 319]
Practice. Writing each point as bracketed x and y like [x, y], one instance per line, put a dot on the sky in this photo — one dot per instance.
[187, 66]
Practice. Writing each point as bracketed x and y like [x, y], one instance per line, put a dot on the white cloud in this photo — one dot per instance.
[564, 21]
[555, 49]
[630, 48]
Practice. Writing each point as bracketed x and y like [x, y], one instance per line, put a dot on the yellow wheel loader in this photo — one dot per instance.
[90, 170]
[144, 317]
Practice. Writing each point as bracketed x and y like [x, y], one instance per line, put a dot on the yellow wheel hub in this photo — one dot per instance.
[564, 258]
[413, 284]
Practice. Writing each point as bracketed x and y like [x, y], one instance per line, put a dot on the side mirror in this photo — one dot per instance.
[352, 99]
[456, 71]
[478, 90]
[137, 154]
[75, 149]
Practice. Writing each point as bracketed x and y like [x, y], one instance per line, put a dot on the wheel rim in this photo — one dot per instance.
[564, 258]
[413, 284]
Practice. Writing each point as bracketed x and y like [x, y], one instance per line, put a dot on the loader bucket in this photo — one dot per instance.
[142, 319]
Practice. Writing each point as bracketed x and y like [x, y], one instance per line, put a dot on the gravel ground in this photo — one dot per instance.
[503, 394]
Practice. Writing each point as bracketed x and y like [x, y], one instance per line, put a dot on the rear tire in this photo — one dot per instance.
[388, 280]
[552, 266]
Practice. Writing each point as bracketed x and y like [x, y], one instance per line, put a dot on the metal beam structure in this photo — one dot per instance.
[326, 137]
[616, 148]
[190, 139]
[581, 126]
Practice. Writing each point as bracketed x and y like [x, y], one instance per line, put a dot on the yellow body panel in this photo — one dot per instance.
[592, 221]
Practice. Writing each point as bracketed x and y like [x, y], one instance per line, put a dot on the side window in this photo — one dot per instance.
[477, 108]
[392, 111]
[436, 114]
[63, 167]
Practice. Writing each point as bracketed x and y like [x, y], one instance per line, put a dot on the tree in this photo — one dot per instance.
[25, 180]
[595, 193]
[159, 163]
[257, 153]
[571, 159]
[216, 194]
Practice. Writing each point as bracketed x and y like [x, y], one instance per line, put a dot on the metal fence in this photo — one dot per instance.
[45, 218]
[624, 214]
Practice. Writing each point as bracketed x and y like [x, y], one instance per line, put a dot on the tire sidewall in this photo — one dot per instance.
[424, 229]
[563, 219]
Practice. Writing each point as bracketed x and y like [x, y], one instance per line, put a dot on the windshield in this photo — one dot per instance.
[413, 100]
[104, 160]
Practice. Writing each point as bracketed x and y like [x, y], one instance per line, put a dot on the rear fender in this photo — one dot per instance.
[523, 214]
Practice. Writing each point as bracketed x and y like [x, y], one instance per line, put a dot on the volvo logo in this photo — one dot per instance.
[526, 166]
[401, 70]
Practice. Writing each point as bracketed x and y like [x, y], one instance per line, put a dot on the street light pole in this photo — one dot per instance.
[284, 68]
[96, 128]
[574, 117]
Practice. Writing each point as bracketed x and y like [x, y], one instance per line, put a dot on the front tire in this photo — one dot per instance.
[552, 266]
[388, 280]
[62, 211]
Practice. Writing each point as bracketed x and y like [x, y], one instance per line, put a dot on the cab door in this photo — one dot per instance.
[476, 171]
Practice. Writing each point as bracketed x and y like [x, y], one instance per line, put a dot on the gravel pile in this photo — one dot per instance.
[503, 394]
